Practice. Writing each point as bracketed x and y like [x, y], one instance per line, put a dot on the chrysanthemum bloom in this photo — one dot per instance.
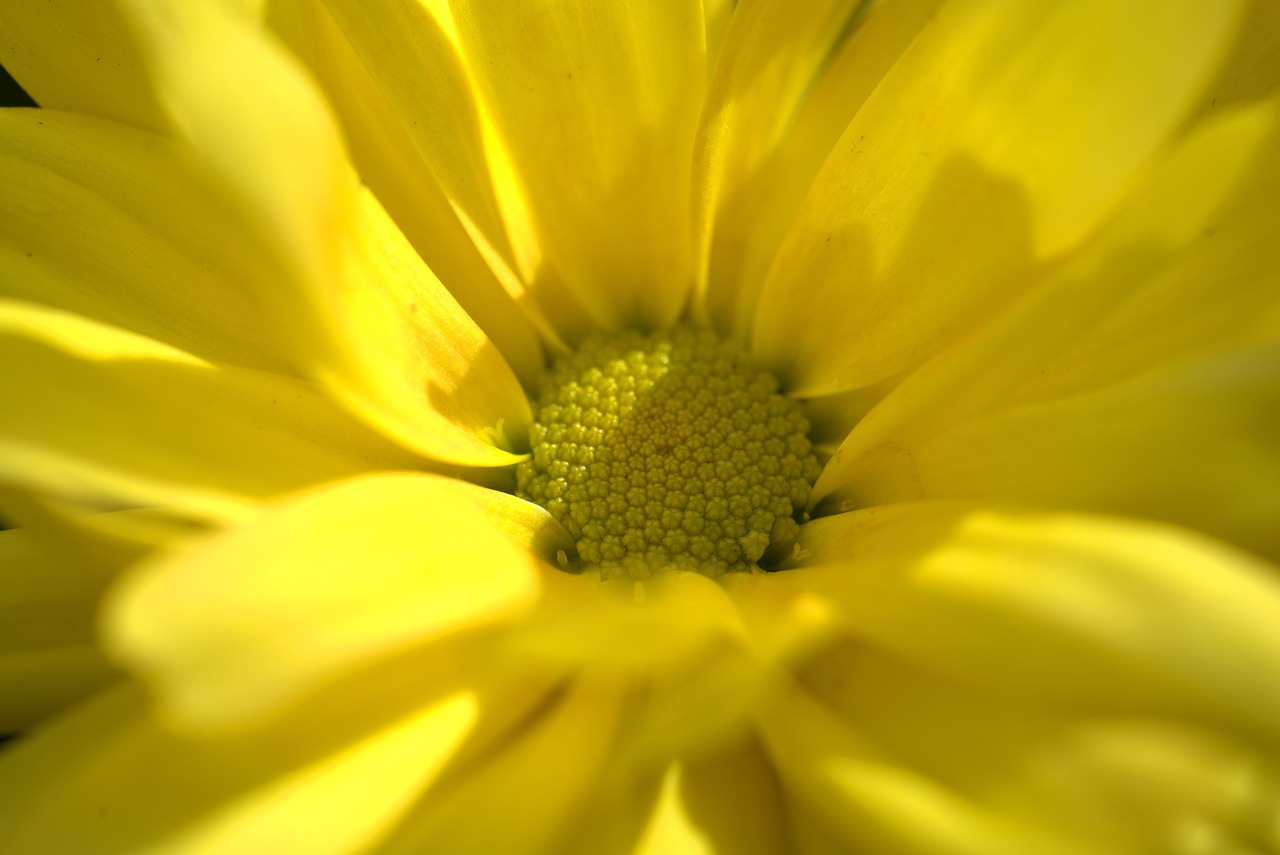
[300, 299]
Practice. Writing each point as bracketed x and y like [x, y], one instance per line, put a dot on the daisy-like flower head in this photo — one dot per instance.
[641, 427]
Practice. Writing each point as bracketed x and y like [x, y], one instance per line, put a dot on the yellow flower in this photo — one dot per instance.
[278, 281]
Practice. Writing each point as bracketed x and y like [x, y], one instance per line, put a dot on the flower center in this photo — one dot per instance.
[668, 451]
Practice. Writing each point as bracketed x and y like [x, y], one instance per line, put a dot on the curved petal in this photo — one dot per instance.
[869, 803]
[540, 777]
[89, 62]
[725, 799]
[352, 300]
[1194, 444]
[732, 796]
[669, 828]
[386, 78]
[667, 622]
[117, 224]
[325, 583]
[1139, 379]
[1091, 612]
[109, 779]
[597, 107]
[413, 58]
[106, 418]
[91, 538]
[1003, 135]
[47, 656]
[1251, 71]
[1106, 782]
[789, 79]
[531, 526]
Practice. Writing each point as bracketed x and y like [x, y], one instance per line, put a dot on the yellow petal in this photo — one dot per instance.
[47, 655]
[788, 81]
[1058, 607]
[669, 828]
[103, 541]
[412, 362]
[538, 780]
[597, 107]
[1193, 444]
[1251, 72]
[1136, 783]
[352, 300]
[1002, 136]
[530, 526]
[86, 62]
[118, 224]
[424, 163]
[733, 797]
[723, 800]
[1113, 388]
[664, 623]
[321, 585]
[871, 804]
[99, 415]
[410, 55]
[705, 650]
[108, 779]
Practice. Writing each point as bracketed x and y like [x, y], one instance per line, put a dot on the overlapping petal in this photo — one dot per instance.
[426, 164]
[573, 736]
[108, 418]
[1071, 610]
[1005, 133]
[120, 225]
[1099, 391]
[354, 302]
[788, 82]
[90, 63]
[331, 581]
[47, 654]
[601, 140]
[110, 779]
[1106, 780]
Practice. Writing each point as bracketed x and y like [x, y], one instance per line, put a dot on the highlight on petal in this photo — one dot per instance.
[258, 434]
[670, 828]
[527, 524]
[109, 779]
[47, 656]
[733, 798]
[1082, 611]
[122, 226]
[787, 83]
[1005, 133]
[410, 54]
[354, 303]
[664, 623]
[422, 371]
[541, 778]
[323, 584]
[573, 92]
[1139, 378]
[385, 135]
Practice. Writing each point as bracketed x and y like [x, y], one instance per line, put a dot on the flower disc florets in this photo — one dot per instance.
[668, 451]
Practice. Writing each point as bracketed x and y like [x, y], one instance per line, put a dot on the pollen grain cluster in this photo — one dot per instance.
[668, 451]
